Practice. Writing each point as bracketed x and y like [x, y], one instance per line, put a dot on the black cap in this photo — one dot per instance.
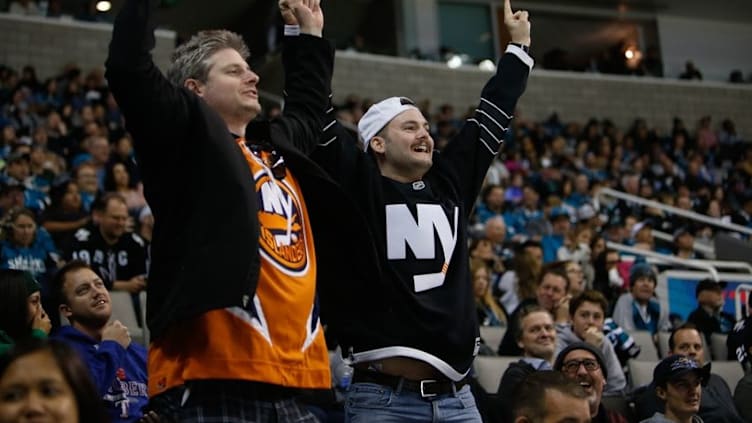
[559, 363]
[710, 285]
[674, 366]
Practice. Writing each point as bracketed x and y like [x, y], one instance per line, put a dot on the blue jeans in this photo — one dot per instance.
[370, 402]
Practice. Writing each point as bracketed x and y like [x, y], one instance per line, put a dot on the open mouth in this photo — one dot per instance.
[99, 303]
[421, 148]
[586, 385]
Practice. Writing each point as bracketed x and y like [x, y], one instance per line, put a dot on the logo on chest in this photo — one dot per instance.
[403, 230]
[282, 231]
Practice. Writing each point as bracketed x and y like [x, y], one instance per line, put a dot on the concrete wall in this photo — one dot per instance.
[574, 96]
[48, 44]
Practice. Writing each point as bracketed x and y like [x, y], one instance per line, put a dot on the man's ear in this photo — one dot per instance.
[660, 392]
[65, 310]
[378, 144]
[194, 85]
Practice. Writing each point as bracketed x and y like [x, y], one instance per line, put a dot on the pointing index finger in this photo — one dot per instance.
[507, 9]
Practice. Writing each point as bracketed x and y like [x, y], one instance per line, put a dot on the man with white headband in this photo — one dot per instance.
[406, 318]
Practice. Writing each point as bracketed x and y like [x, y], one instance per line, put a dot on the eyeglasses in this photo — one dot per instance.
[572, 366]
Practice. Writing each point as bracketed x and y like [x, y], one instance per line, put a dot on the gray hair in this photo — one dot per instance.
[191, 59]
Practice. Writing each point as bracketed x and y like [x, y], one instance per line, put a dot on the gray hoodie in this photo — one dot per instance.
[616, 382]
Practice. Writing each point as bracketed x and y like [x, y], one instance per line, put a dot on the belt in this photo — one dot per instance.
[427, 388]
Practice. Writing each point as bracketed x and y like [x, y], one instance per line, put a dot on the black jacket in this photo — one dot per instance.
[196, 180]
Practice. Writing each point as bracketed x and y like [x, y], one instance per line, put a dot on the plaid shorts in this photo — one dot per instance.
[231, 402]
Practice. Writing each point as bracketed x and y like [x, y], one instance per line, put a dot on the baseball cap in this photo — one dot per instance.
[379, 115]
[684, 229]
[558, 212]
[676, 365]
[639, 226]
[586, 211]
[710, 285]
[559, 363]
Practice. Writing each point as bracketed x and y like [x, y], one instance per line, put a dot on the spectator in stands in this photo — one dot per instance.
[684, 243]
[489, 312]
[46, 381]
[22, 315]
[587, 312]
[398, 166]
[210, 97]
[28, 247]
[519, 283]
[18, 172]
[491, 204]
[581, 193]
[118, 179]
[743, 397]
[527, 212]
[550, 397]
[536, 337]
[117, 256]
[117, 365]
[496, 231]
[584, 364]
[709, 316]
[639, 309]
[743, 215]
[560, 226]
[85, 176]
[577, 244]
[739, 340]
[690, 72]
[641, 235]
[716, 403]
[576, 275]
[677, 380]
[551, 295]
[66, 214]
[11, 197]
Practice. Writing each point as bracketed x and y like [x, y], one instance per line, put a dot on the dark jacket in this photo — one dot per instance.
[196, 179]
[716, 403]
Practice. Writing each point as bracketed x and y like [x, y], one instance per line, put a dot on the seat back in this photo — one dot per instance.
[730, 371]
[644, 339]
[492, 335]
[122, 309]
[641, 372]
[718, 346]
[489, 370]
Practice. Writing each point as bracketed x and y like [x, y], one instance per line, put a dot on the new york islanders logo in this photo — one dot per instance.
[282, 237]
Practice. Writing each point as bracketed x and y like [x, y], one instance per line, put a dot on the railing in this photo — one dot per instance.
[696, 264]
[673, 210]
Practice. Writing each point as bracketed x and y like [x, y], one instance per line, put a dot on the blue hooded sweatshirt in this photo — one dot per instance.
[118, 373]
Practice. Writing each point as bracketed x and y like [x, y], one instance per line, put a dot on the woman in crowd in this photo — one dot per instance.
[118, 179]
[66, 214]
[27, 247]
[21, 313]
[489, 311]
[46, 381]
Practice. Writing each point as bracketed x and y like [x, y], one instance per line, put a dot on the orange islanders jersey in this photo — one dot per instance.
[278, 339]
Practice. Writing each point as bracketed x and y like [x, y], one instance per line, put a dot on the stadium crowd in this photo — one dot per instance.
[75, 219]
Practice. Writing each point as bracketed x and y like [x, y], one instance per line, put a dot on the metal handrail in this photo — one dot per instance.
[673, 210]
[697, 264]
